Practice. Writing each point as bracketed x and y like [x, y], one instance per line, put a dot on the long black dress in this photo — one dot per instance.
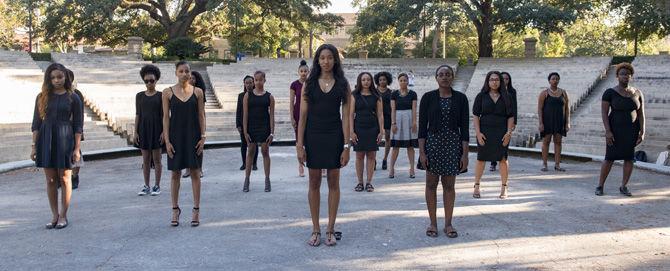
[553, 115]
[624, 123]
[184, 132]
[324, 139]
[493, 124]
[55, 142]
[149, 110]
[366, 125]
[258, 125]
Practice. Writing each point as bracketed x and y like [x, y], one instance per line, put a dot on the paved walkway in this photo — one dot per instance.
[551, 222]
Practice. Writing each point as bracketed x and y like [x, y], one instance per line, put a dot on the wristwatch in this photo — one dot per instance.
[346, 146]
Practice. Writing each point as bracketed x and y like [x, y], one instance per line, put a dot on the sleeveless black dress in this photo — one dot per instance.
[150, 114]
[184, 132]
[259, 117]
[624, 124]
[553, 116]
[366, 126]
[493, 124]
[324, 139]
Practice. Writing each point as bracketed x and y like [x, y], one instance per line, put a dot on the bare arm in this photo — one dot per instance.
[566, 110]
[201, 110]
[302, 122]
[352, 110]
[346, 118]
[540, 106]
[641, 119]
[167, 93]
[414, 114]
[380, 115]
[272, 115]
[291, 104]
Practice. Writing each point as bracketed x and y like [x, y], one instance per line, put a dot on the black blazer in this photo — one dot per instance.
[240, 109]
[430, 114]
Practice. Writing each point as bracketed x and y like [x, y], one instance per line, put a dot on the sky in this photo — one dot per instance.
[340, 6]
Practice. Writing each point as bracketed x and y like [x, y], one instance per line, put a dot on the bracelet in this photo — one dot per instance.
[272, 135]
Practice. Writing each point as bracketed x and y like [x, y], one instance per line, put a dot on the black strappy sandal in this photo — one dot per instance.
[431, 232]
[195, 223]
[556, 168]
[175, 223]
[359, 187]
[369, 187]
[452, 233]
[624, 191]
[330, 239]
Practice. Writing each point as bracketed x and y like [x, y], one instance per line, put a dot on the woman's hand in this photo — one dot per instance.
[379, 137]
[344, 158]
[300, 153]
[567, 128]
[423, 159]
[464, 162]
[76, 156]
[169, 149]
[136, 139]
[541, 128]
[33, 154]
[640, 138]
[269, 139]
[394, 128]
[414, 127]
[161, 140]
[294, 123]
[609, 138]
[200, 147]
[247, 137]
[506, 139]
[354, 138]
[481, 139]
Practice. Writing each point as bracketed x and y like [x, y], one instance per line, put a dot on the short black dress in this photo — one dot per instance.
[55, 141]
[444, 147]
[184, 132]
[324, 139]
[366, 125]
[386, 108]
[624, 123]
[149, 110]
[553, 115]
[258, 126]
[493, 124]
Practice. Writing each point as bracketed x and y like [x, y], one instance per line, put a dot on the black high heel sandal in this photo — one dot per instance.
[195, 223]
[175, 223]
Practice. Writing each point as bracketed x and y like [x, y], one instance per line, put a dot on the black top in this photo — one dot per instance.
[240, 109]
[485, 106]
[149, 106]
[430, 114]
[323, 112]
[403, 102]
[258, 108]
[624, 109]
[386, 102]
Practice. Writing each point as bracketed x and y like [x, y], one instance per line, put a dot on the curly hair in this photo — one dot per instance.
[625, 65]
[150, 69]
[389, 77]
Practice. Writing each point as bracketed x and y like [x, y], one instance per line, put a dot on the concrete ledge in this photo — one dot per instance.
[516, 151]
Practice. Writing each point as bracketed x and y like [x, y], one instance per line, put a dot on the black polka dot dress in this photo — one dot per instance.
[443, 147]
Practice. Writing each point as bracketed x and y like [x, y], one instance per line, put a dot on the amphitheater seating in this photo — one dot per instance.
[21, 82]
[529, 76]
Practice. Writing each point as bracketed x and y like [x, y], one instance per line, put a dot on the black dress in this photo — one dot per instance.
[624, 124]
[443, 146]
[366, 125]
[149, 110]
[55, 141]
[493, 124]
[258, 108]
[553, 115]
[324, 139]
[386, 108]
[184, 132]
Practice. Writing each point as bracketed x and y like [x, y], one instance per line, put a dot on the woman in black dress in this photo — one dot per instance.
[443, 145]
[149, 128]
[77, 166]
[248, 86]
[323, 134]
[553, 110]
[258, 123]
[367, 124]
[295, 92]
[197, 81]
[623, 117]
[184, 135]
[494, 122]
[507, 80]
[57, 126]
[383, 80]
[403, 124]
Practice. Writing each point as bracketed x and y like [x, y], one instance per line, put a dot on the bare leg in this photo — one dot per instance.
[558, 145]
[251, 152]
[479, 171]
[504, 174]
[627, 171]
[66, 192]
[333, 197]
[545, 150]
[314, 197]
[449, 198]
[265, 150]
[146, 166]
[195, 184]
[410, 155]
[387, 144]
[604, 172]
[370, 164]
[394, 158]
[158, 167]
[52, 177]
[360, 160]
[431, 198]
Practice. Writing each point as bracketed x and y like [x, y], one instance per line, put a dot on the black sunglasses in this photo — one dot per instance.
[150, 81]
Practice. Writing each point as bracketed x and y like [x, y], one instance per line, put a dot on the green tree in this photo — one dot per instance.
[379, 44]
[13, 17]
[642, 19]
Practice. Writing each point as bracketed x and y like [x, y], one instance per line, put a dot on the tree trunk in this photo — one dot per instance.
[485, 31]
[636, 41]
[311, 42]
[436, 36]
